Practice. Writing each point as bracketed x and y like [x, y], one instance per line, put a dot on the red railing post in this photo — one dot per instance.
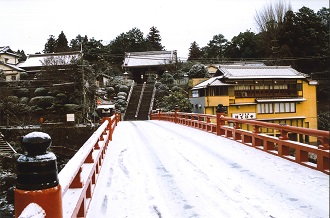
[237, 135]
[208, 127]
[37, 177]
[284, 133]
[220, 112]
[110, 128]
[324, 142]
[199, 122]
[256, 129]
[176, 110]
[77, 183]
[220, 122]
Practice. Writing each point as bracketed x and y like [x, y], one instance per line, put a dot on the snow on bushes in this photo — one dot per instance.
[42, 101]
[40, 92]
[22, 92]
[71, 108]
[123, 88]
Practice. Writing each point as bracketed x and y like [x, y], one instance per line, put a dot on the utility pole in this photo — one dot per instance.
[83, 83]
[83, 90]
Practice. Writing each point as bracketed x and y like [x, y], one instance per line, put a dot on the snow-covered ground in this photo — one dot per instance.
[162, 169]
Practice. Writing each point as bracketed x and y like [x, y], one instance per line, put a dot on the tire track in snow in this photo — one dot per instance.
[202, 168]
[167, 180]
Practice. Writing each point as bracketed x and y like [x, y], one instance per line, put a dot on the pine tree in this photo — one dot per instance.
[50, 45]
[195, 52]
[61, 43]
[22, 56]
[153, 40]
[215, 48]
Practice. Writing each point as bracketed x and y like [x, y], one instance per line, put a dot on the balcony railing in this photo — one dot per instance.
[267, 93]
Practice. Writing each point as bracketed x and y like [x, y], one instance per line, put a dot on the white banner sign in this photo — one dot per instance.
[245, 116]
[70, 117]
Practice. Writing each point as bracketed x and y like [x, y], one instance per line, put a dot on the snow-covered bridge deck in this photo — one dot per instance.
[162, 169]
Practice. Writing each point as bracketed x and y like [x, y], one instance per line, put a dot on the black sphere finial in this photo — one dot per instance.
[220, 108]
[36, 143]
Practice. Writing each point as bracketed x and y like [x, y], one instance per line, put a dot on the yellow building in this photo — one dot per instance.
[277, 94]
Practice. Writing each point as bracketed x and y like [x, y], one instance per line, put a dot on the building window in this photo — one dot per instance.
[299, 86]
[288, 107]
[194, 93]
[223, 91]
[282, 86]
[13, 78]
[266, 108]
[201, 92]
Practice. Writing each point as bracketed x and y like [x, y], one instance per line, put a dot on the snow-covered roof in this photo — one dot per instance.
[239, 63]
[214, 81]
[149, 58]
[11, 66]
[37, 60]
[244, 63]
[260, 72]
[7, 50]
[250, 72]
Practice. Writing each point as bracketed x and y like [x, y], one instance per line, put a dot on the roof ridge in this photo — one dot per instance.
[55, 54]
[148, 52]
[253, 67]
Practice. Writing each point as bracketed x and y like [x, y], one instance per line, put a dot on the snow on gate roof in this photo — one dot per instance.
[149, 58]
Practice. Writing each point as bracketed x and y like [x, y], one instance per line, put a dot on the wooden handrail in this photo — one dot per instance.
[299, 130]
[281, 146]
[71, 169]
[79, 176]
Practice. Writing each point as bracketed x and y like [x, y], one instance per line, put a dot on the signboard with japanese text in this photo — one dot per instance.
[244, 116]
[70, 117]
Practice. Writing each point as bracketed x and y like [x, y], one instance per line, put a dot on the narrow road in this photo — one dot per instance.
[160, 169]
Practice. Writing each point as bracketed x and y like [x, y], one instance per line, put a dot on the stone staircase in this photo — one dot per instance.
[134, 102]
[5, 146]
[145, 103]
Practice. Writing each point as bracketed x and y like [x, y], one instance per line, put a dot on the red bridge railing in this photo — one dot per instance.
[72, 190]
[79, 176]
[250, 132]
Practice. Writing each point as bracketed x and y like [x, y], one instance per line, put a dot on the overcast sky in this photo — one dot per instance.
[27, 24]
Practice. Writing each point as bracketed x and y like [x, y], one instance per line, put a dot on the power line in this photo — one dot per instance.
[213, 59]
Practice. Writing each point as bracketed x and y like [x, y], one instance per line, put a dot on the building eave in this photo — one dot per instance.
[281, 100]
